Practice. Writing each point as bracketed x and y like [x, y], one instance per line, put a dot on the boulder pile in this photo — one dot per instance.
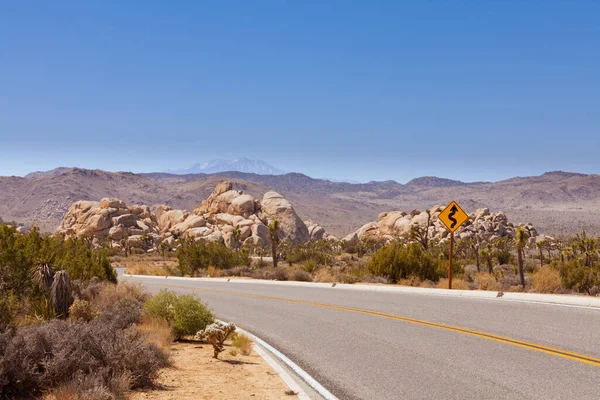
[228, 216]
[481, 224]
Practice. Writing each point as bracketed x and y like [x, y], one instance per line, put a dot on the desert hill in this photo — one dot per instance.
[555, 202]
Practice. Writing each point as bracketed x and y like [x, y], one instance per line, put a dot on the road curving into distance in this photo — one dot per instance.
[371, 345]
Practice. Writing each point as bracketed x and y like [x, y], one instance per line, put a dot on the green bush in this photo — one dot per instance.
[22, 254]
[399, 261]
[195, 256]
[186, 314]
[576, 276]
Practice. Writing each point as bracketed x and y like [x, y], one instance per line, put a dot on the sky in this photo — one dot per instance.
[354, 90]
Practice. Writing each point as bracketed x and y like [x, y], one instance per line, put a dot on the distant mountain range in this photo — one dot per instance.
[555, 202]
[239, 164]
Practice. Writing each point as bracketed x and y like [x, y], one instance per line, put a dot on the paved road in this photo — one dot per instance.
[397, 349]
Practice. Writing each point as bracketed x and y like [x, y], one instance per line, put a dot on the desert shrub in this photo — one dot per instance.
[157, 331]
[243, 343]
[546, 280]
[22, 254]
[195, 256]
[370, 278]
[345, 277]
[68, 350]
[576, 276]
[9, 305]
[82, 310]
[186, 314]
[410, 281]
[216, 334]
[398, 261]
[457, 284]
[104, 296]
[124, 313]
[324, 275]
[87, 387]
[310, 266]
[485, 281]
[503, 256]
[300, 275]
[277, 274]
[238, 271]
[317, 252]
[507, 281]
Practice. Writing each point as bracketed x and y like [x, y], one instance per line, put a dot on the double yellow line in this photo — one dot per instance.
[514, 342]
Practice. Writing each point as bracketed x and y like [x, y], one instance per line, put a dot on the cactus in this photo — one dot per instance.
[216, 334]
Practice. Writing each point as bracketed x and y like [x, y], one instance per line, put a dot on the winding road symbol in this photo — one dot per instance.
[453, 211]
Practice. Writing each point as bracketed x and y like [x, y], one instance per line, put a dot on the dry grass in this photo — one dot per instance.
[213, 272]
[457, 284]
[324, 275]
[146, 264]
[410, 281]
[243, 343]
[158, 332]
[486, 281]
[109, 294]
[546, 280]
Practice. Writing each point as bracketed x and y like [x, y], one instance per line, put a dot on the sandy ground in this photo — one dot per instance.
[196, 375]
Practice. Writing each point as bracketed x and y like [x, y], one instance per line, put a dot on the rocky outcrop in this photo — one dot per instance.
[228, 216]
[481, 224]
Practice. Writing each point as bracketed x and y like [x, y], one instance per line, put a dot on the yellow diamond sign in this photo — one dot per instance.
[453, 216]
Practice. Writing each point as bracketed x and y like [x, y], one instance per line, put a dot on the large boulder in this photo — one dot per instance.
[112, 203]
[292, 228]
[192, 221]
[167, 218]
[242, 205]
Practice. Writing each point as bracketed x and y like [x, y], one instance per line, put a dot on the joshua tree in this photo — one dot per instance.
[61, 295]
[237, 233]
[475, 247]
[521, 237]
[540, 247]
[126, 245]
[163, 247]
[274, 236]
[421, 233]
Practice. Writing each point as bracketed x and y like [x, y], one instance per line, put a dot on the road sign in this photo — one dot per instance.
[453, 216]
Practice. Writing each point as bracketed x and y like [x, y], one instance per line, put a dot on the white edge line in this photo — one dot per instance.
[517, 297]
[312, 382]
[283, 374]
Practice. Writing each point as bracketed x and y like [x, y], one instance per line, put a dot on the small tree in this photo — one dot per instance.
[216, 334]
[521, 237]
[274, 236]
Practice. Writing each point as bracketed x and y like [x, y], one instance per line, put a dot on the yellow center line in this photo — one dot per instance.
[502, 339]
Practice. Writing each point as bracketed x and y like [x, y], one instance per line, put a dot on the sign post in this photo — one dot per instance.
[452, 217]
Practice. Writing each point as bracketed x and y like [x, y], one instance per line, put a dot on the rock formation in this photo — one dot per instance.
[214, 220]
[481, 224]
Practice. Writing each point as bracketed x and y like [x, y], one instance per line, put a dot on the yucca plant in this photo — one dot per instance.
[61, 294]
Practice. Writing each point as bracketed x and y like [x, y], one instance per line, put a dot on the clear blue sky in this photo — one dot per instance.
[472, 90]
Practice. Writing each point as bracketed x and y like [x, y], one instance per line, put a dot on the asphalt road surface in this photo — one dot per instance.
[367, 345]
